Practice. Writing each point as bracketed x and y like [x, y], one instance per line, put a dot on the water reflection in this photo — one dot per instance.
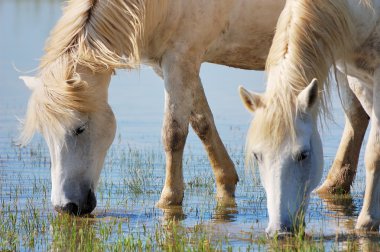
[173, 213]
[341, 205]
[369, 242]
[341, 210]
[342, 213]
[24, 25]
[225, 214]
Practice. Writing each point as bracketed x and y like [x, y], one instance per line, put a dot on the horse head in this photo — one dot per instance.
[78, 126]
[290, 165]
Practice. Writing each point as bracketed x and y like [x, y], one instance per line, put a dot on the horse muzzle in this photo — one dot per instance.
[281, 231]
[83, 208]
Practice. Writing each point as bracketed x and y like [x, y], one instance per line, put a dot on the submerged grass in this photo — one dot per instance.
[126, 219]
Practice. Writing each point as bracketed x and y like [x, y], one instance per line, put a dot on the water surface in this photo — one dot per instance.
[134, 171]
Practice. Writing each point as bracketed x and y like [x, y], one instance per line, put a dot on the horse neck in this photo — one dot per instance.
[310, 37]
[159, 19]
[98, 82]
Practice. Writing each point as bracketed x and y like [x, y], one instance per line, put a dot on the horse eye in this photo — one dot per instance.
[302, 156]
[80, 130]
[258, 156]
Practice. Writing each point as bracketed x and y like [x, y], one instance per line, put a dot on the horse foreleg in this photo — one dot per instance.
[343, 169]
[180, 75]
[202, 122]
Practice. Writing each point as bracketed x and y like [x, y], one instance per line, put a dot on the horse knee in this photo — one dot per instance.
[174, 135]
[201, 125]
[358, 120]
[372, 160]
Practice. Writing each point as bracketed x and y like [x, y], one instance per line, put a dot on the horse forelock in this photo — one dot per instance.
[310, 35]
[54, 105]
[268, 128]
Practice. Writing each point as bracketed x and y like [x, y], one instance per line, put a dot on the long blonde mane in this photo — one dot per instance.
[99, 35]
[310, 35]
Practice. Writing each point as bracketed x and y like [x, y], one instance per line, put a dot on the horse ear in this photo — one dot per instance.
[30, 81]
[308, 97]
[251, 101]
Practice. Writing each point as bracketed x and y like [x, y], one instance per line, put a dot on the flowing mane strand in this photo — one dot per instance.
[310, 36]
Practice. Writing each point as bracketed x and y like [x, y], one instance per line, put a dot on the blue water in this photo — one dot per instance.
[137, 99]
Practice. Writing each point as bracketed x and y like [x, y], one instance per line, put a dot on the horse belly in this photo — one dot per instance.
[247, 37]
[249, 56]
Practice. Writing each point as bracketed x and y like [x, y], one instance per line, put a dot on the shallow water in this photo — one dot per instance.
[127, 203]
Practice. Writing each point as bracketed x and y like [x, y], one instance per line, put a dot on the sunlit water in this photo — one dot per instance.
[134, 171]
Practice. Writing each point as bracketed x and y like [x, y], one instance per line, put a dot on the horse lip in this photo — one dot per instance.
[284, 234]
[280, 235]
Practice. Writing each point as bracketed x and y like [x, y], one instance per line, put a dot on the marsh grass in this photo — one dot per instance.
[126, 219]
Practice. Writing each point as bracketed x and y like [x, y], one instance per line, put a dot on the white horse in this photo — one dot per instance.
[311, 37]
[93, 38]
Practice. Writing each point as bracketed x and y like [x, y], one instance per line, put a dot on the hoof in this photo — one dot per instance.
[225, 199]
[225, 196]
[170, 198]
[338, 180]
[165, 203]
[325, 188]
[226, 192]
[366, 223]
[329, 187]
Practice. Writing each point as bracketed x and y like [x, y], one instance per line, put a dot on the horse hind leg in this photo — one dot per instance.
[343, 169]
[369, 217]
[202, 122]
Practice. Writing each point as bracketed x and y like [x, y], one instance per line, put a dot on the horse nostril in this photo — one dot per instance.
[70, 208]
[285, 229]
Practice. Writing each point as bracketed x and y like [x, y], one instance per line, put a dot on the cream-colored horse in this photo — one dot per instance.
[93, 38]
[312, 36]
